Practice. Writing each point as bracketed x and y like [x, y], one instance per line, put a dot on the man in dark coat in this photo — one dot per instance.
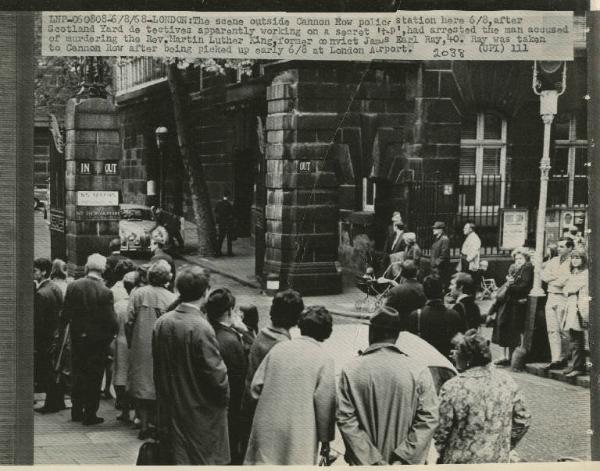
[171, 223]
[114, 257]
[218, 309]
[408, 296]
[47, 303]
[192, 388]
[440, 254]
[435, 323]
[89, 307]
[462, 289]
[224, 221]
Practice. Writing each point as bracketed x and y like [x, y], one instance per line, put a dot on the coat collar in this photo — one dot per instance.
[188, 308]
[378, 346]
[279, 330]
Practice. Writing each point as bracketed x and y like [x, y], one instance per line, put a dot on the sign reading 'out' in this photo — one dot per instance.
[97, 168]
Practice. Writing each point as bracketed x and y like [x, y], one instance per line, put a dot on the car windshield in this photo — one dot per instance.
[137, 214]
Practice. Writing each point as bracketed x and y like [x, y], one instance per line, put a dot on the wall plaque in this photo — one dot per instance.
[97, 198]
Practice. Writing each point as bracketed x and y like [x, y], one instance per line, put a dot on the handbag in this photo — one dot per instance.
[149, 454]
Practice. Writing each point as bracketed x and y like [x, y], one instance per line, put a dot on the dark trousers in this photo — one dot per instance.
[175, 234]
[577, 347]
[88, 363]
[223, 231]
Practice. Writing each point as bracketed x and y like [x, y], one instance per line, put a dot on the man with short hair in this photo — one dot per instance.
[435, 323]
[440, 253]
[47, 303]
[218, 307]
[408, 295]
[469, 262]
[462, 289]
[89, 306]
[387, 403]
[192, 388]
[556, 272]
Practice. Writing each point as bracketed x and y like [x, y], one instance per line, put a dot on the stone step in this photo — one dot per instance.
[538, 370]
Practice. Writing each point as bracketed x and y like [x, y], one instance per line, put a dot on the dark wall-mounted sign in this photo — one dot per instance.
[57, 222]
[108, 213]
[97, 168]
[305, 167]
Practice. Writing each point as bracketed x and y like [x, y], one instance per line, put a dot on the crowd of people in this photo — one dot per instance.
[210, 387]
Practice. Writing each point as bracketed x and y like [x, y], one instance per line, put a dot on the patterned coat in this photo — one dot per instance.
[482, 417]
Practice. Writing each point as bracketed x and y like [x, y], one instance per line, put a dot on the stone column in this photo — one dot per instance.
[92, 179]
[302, 200]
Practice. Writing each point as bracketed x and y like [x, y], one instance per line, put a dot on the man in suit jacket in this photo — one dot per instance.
[440, 253]
[89, 306]
[47, 303]
[435, 323]
[394, 241]
[462, 289]
[408, 295]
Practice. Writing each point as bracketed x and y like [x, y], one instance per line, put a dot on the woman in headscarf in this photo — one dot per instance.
[510, 306]
[146, 304]
[482, 414]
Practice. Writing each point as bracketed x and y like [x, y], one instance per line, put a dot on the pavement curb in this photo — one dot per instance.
[226, 274]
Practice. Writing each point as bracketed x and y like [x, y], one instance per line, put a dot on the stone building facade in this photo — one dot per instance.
[346, 144]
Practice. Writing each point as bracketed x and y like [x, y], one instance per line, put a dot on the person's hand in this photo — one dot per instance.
[585, 324]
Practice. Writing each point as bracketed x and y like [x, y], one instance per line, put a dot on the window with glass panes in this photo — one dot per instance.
[568, 182]
[482, 168]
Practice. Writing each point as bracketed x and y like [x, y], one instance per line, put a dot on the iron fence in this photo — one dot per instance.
[480, 200]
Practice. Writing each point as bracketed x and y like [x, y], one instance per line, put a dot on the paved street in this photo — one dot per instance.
[560, 411]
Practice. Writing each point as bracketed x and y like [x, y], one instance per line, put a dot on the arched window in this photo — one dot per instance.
[482, 169]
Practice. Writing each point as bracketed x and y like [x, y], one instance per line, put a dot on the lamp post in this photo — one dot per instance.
[548, 89]
[161, 134]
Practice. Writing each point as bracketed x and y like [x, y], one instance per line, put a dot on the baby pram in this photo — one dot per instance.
[376, 289]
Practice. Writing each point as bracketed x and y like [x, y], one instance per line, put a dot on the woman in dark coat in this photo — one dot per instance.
[511, 308]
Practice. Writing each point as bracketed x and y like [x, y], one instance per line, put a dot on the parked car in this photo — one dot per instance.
[135, 224]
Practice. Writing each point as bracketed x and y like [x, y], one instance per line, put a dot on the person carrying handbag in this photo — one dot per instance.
[577, 311]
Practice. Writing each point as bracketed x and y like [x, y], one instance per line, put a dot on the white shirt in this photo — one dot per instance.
[556, 274]
[470, 249]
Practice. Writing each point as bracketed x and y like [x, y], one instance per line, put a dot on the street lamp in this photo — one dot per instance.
[161, 134]
[548, 85]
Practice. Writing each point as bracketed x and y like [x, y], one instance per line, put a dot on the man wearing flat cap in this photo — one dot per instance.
[440, 254]
[387, 404]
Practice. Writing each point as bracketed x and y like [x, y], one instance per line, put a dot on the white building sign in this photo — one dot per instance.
[97, 198]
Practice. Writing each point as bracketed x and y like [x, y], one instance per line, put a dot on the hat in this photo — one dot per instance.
[386, 317]
[396, 217]
[410, 237]
[439, 225]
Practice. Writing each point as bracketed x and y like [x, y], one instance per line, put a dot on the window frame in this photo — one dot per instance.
[571, 144]
[366, 206]
[479, 144]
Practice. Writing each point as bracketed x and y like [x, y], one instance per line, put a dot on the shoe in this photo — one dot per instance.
[76, 416]
[574, 373]
[47, 410]
[503, 362]
[124, 419]
[555, 365]
[93, 421]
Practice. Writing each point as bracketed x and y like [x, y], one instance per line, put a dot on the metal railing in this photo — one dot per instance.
[137, 72]
[479, 200]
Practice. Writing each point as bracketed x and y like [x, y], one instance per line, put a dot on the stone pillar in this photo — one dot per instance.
[302, 199]
[92, 179]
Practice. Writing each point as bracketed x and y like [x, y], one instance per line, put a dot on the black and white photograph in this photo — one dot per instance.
[328, 248]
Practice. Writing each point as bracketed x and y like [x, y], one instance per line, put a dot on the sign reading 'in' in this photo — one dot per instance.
[97, 198]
